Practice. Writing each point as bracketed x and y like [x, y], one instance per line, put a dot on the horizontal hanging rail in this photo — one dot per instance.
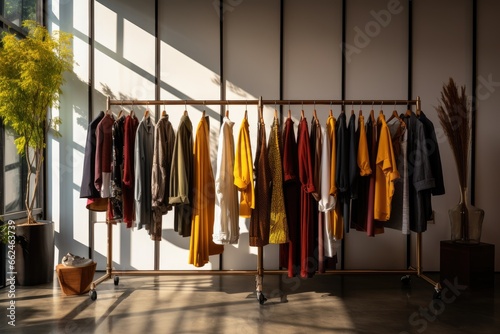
[265, 102]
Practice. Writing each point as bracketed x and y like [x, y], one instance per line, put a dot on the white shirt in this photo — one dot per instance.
[226, 224]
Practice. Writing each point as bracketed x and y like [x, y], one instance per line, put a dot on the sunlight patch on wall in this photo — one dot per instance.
[53, 153]
[81, 67]
[187, 76]
[80, 220]
[138, 46]
[80, 16]
[113, 77]
[106, 27]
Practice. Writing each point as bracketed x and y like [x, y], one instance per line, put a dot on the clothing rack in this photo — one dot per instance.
[259, 273]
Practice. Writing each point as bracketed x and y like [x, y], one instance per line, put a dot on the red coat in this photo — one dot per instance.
[130, 129]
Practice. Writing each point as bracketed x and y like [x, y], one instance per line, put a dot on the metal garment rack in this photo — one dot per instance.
[259, 273]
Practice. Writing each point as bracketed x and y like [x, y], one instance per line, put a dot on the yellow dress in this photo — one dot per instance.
[334, 218]
[243, 171]
[278, 233]
[201, 243]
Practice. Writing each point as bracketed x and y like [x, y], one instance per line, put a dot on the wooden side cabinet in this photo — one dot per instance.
[472, 265]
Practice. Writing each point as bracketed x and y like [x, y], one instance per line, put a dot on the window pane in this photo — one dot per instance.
[11, 156]
[17, 11]
[13, 193]
[13, 174]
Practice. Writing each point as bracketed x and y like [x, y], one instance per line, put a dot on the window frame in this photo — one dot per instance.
[7, 25]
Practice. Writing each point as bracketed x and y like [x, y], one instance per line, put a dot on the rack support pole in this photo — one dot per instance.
[260, 251]
[437, 285]
[109, 265]
[419, 253]
[260, 274]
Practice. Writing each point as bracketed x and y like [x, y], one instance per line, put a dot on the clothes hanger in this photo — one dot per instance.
[146, 113]
[289, 111]
[185, 108]
[394, 114]
[164, 112]
[361, 109]
[302, 111]
[331, 109]
[121, 111]
[315, 115]
[246, 112]
[132, 113]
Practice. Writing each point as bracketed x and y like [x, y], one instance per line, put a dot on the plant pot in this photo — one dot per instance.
[34, 253]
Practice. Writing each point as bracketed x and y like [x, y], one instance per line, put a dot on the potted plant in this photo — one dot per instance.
[454, 112]
[31, 75]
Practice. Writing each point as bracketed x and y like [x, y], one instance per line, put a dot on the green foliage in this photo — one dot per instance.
[4, 232]
[31, 76]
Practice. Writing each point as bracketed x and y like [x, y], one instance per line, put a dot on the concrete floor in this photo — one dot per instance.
[227, 304]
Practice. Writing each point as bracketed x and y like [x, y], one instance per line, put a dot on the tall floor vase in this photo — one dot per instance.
[466, 220]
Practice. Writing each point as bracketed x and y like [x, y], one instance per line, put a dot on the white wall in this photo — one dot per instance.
[251, 69]
[434, 62]
[488, 136]
[189, 70]
[65, 155]
[376, 68]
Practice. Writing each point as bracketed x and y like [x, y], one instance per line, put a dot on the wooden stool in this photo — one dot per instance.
[75, 280]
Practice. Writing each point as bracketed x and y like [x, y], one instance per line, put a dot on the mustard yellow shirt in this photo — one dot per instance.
[334, 218]
[243, 171]
[363, 157]
[386, 172]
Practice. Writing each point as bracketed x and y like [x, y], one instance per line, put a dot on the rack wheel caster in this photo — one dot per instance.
[436, 294]
[116, 280]
[261, 298]
[405, 280]
[93, 294]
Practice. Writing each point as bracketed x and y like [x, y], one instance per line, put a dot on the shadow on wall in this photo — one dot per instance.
[69, 151]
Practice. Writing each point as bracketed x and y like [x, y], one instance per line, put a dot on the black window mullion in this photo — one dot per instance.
[3, 247]
[2, 167]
